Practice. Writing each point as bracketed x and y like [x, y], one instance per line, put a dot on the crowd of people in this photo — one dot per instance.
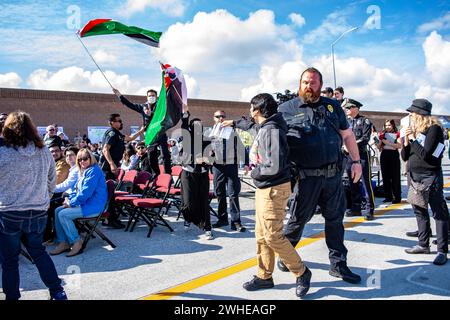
[309, 152]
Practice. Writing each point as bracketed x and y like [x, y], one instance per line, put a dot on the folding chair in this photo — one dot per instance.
[149, 209]
[90, 225]
[123, 202]
[127, 177]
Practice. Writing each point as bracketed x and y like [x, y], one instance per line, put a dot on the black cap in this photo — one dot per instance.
[350, 103]
[421, 106]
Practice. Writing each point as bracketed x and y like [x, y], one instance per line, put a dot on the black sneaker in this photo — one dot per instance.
[115, 224]
[413, 234]
[257, 284]
[303, 283]
[351, 213]
[237, 226]
[440, 259]
[60, 295]
[220, 223]
[282, 266]
[341, 270]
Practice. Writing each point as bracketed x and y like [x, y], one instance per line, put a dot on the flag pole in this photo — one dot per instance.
[82, 43]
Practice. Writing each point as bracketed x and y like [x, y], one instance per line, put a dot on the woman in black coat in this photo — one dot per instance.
[423, 149]
[195, 175]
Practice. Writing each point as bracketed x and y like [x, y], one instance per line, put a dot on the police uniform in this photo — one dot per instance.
[315, 142]
[116, 140]
[362, 128]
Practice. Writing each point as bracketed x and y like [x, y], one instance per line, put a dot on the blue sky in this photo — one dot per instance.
[231, 50]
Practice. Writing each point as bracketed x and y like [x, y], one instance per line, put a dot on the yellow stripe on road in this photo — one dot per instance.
[250, 263]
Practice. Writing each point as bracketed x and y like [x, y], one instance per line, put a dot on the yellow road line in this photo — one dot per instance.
[246, 264]
[250, 263]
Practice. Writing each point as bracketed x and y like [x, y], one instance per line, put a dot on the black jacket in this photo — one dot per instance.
[273, 166]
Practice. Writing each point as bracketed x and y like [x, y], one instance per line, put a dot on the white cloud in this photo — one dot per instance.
[437, 96]
[78, 79]
[10, 80]
[333, 25]
[104, 57]
[173, 8]
[191, 86]
[437, 55]
[442, 23]
[297, 19]
[219, 39]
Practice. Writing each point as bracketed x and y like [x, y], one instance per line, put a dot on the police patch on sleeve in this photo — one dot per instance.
[367, 121]
[330, 108]
[111, 134]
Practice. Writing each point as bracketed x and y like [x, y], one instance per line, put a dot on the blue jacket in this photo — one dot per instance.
[91, 193]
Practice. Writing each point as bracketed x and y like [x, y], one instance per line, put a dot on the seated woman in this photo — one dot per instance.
[87, 201]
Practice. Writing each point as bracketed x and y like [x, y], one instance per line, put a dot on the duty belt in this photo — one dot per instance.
[327, 172]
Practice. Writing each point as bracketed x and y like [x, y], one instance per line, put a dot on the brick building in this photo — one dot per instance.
[75, 111]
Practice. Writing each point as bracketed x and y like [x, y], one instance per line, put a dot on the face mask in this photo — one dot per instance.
[151, 99]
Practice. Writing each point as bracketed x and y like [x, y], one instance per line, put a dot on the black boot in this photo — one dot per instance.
[303, 283]
[340, 270]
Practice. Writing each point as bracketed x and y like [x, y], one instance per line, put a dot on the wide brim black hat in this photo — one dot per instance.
[421, 106]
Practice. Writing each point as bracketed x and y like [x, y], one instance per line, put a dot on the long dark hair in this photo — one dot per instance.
[19, 131]
[392, 122]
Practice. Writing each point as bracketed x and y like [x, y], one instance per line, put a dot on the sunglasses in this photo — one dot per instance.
[84, 159]
[219, 116]
[51, 130]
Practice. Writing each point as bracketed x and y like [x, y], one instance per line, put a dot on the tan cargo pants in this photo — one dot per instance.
[270, 206]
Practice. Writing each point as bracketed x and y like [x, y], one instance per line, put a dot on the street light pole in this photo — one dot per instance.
[332, 50]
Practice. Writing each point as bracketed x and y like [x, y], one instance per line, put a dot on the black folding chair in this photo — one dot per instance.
[90, 225]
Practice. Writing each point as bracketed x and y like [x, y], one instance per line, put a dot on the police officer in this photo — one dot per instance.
[362, 128]
[147, 110]
[113, 143]
[317, 129]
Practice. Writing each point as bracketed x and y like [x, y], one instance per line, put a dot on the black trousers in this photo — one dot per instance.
[154, 155]
[329, 195]
[366, 179]
[112, 208]
[226, 182]
[56, 201]
[194, 198]
[440, 214]
[390, 170]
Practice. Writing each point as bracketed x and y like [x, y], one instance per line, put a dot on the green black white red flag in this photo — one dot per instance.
[169, 108]
[99, 27]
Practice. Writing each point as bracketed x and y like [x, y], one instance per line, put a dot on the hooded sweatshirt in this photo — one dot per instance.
[27, 178]
[269, 152]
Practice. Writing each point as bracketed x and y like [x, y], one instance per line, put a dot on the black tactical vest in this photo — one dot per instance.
[313, 137]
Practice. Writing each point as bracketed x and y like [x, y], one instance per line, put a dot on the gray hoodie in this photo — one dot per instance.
[27, 178]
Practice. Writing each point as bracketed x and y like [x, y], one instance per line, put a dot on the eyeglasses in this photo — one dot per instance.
[219, 116]
[84, 159]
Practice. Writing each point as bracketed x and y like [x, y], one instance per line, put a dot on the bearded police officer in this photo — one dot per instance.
[317, 129]
[362, 128]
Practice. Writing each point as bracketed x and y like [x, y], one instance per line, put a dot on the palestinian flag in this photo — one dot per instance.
[99, 27]
[169, 108]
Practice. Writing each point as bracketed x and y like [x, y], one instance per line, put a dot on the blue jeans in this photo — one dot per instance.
[64, 225]
[25, 227]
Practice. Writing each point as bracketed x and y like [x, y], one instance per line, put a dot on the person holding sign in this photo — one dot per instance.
[390, 162]
[423, 149]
